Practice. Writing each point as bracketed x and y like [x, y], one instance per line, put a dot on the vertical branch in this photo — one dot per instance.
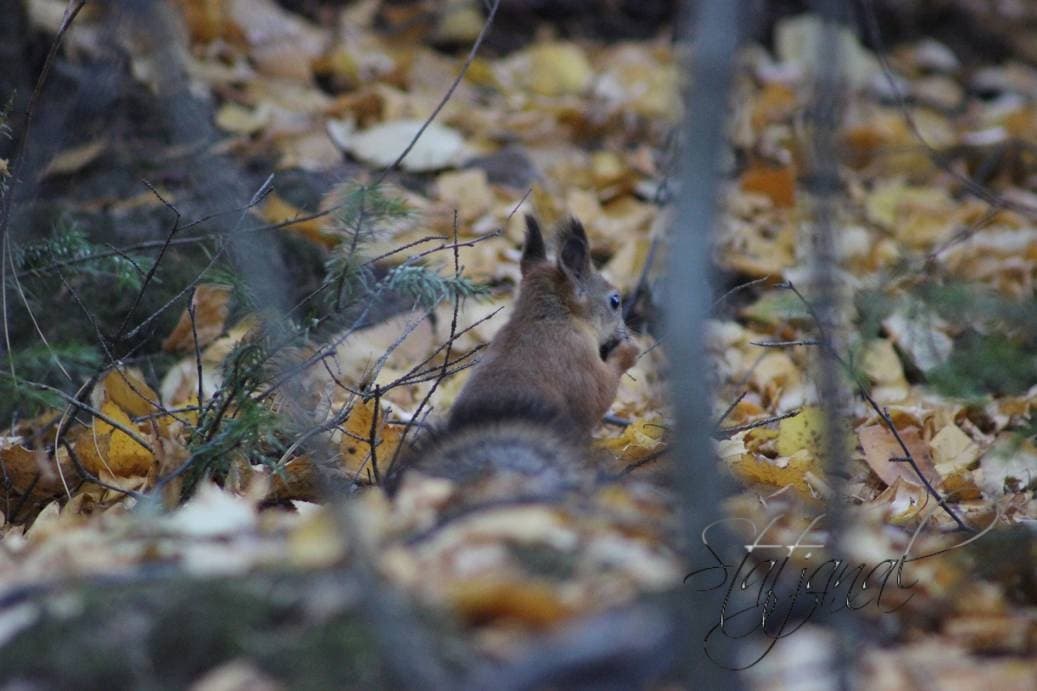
[446, 355]
[688, 297]
[824, 114]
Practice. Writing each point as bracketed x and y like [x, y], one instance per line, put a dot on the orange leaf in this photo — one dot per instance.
[485, 601]
[277, 210]
[355, 446]
[879, 446]
[210, 303]
[777, 183]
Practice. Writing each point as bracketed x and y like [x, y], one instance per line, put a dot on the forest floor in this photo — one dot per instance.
[239, 278]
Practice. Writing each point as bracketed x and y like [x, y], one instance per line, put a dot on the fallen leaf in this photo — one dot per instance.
[105, 447]
[355, 446]
[953, 450]
[438, 147]
[467, 191]
[275, 210]
[480, 602]
[639, 440]
[74, 159]
[211, 305]
[127, 389]
[777, 184]
[880, 446]
[557, 69]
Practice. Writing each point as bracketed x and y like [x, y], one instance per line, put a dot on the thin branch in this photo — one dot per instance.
[728, 432]
[86, 408]
[372, 443]
[862, 388]
[446, 97]
[449, 345]
[197, 348]
[258, 197]
[154, 265]
[32, 316]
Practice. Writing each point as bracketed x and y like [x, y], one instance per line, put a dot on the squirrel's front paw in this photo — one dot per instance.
[624, 354]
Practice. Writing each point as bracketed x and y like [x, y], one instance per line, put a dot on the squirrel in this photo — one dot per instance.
[546, 379]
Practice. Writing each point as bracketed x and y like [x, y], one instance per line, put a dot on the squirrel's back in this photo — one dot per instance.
[551, 372]
[519, 445]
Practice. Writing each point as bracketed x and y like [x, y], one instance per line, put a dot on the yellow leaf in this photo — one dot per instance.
[127, 390]
[918, 216]
[74, 159]
[558, 69]
[791, 471]
[102, 447]
[953, 450]
[238, 119]
[316, 541]
[125, 455]
[880, 362]
[640, 439]
[805, 432]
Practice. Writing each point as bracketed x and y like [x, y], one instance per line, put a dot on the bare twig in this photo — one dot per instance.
[32, 316]
[446, 97]
[71, 11]
[862, 388]
[449, 345]
[258, 197]
[154, 265]
[86, 408]
[197, 349]
[728, 432]
[787, 344]
[372, 443]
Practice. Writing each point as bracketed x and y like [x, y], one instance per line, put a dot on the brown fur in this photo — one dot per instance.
[550, 349]
[521, 422]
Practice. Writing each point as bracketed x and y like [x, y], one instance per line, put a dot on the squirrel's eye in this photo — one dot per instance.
[614, 301]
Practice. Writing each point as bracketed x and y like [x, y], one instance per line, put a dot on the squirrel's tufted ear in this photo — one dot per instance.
[534, 251]
[574, 255]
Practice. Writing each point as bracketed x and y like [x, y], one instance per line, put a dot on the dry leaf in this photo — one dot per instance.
[276, 210]
[527, 603]
[438, 147]
[211, 304]
[557, 69]
[788, 471]
[355, 446]
[467, 191]
[639, 440]
[777, 184]
[102, 447]
[74, 159]
[953, 450]
[880, 446]
[126, 388]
